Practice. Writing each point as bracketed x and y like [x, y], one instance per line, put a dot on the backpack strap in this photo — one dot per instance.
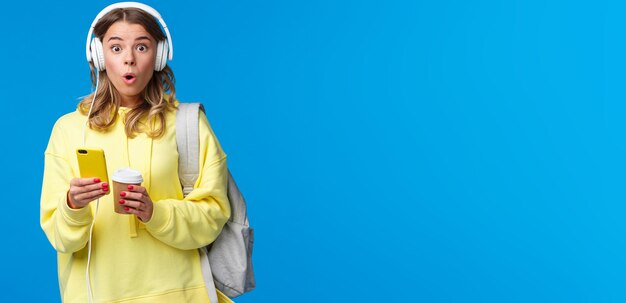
[187, 140]
[188, 145]
[209, 283]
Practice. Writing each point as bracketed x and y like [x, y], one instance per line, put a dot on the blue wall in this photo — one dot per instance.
[423, 151]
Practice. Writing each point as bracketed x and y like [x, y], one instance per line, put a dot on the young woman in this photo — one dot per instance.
[150, 253]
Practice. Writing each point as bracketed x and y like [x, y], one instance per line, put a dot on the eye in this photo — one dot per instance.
[116, 48]
[142, 48]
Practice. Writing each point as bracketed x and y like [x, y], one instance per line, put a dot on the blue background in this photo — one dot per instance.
[423, 151]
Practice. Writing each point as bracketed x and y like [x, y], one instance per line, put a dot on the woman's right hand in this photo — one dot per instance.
[84, 190]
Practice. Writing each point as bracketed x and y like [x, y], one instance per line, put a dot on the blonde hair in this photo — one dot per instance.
[158, 95]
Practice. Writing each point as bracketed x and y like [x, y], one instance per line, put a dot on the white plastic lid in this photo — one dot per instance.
[127, 175]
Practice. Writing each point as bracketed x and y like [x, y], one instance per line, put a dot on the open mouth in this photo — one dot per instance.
[129, 78]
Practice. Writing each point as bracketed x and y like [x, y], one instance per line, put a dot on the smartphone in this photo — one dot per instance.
[92, 164]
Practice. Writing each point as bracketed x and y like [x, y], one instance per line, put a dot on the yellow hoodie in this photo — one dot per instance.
[131, 261]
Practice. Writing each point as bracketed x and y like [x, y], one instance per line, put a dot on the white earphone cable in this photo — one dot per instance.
[90, 295]
[91, 107]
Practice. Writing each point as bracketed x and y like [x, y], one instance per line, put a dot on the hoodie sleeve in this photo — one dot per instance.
[197, 220]
[67, 229]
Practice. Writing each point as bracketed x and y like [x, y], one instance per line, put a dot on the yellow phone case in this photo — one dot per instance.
[92, 163]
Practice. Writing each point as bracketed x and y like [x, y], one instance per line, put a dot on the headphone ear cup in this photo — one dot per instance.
[161, 56]
[97, 54]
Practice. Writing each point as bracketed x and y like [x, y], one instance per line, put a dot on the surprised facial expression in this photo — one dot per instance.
[129, 53]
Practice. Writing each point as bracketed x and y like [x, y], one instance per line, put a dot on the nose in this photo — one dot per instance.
[129, 58]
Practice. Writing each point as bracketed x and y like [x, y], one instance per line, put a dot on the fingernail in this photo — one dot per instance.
[104, 184]
[126, 208]
[130, 187]
[122, 201]
[122, 194]
[96, 180]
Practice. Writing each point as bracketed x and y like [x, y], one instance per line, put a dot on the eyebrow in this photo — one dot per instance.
[136, 39]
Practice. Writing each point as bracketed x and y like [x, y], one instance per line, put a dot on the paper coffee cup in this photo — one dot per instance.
[121, 179]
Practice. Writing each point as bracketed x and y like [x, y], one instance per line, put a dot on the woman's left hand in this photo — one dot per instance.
[136, 201]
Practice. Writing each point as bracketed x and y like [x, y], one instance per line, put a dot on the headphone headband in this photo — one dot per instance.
[137, 5]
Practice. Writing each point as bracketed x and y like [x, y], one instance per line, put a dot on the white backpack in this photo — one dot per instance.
[227, 262]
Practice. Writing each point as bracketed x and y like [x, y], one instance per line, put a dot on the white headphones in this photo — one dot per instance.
[95, 52]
